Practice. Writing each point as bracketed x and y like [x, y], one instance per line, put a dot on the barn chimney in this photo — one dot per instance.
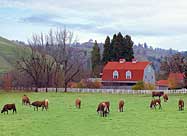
[122, 60]
[134, 60]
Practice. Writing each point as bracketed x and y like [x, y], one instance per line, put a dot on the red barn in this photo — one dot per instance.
[162, 85]
[124, 74]
[174, 81]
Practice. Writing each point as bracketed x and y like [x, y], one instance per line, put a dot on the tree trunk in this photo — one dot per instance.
[65, 87]
[36, 89]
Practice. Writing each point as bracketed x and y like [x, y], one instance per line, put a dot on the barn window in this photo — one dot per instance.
[115, 74]
[128, 75]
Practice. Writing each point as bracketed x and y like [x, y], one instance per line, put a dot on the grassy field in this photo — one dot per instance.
[63, 119]
[9, 53]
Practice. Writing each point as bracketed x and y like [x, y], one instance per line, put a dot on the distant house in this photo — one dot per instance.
[124, 74]
[162, 85]
[175, 80]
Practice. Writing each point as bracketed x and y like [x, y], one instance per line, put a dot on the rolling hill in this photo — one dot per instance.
[9, 53]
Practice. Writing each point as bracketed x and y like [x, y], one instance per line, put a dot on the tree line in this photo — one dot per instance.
[119, 47]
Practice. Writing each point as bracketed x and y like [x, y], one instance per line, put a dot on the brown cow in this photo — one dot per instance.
[159, 94]
[121, 104]
[43, 104]
[25, 100]
[103, 109]
[78, 103]
[108, 105]
[165, 96]
[181, 105]
[46, 104]
[154, 103]
[9, 107]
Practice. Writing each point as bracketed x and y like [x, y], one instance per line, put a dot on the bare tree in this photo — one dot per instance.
[32, 65]
[52, 59]
[69, 61]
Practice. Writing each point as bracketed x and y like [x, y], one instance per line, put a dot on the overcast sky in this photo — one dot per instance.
[159, 23]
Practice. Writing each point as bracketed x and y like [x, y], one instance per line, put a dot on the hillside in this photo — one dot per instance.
[9, 53]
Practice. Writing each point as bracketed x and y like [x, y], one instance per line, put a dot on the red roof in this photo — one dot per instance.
[179, 76]
[162, 83]
[126, 65]
[137, 70]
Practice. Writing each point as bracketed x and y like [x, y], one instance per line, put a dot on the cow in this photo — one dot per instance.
[7, 107]
[154, 103]
[43, 104]
[120, 105]
[25, 100]
[107, 104]
[78, 103]
[159, 94]
[103, 109]
[46, 104]
[181, 105]
[165, 96]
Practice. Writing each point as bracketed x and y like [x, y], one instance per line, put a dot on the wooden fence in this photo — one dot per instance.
[113, 91]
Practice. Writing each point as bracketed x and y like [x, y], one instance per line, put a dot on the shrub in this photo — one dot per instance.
[87, 84]
[141, 85]
[138, 86]
[148, 86]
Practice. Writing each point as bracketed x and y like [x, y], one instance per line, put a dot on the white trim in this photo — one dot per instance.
[115, 74]
[128, 74]
[121, 81]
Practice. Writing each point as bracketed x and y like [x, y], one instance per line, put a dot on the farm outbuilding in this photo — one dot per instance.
[124, 74]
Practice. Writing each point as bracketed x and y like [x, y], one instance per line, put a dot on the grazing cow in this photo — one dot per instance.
[78, 103]
[154, 103]
[121, 104]
[103, 109]
[165, 96]
[25, 100]
[108, 105]
[43, 104]
[181, 105]
[46, 103]
[9, 107]
[159, 94]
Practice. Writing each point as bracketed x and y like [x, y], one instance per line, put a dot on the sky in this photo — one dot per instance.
[159, 23]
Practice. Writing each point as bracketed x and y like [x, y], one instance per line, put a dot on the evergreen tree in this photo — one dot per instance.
[128, 52]
[96, 60]
[120, 47]
[106, 51]
[112, 51]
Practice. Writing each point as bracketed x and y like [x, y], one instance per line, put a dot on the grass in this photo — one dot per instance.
[9, 53]
[63, 119]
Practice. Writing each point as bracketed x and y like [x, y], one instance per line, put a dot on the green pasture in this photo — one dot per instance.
[9, 53]
[63, 119]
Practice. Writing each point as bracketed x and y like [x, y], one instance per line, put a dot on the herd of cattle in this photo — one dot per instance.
[103, 108]
[26, 101]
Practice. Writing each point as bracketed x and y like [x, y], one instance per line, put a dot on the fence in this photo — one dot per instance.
[113, 91]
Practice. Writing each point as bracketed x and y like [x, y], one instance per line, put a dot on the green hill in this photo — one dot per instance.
[9, 53]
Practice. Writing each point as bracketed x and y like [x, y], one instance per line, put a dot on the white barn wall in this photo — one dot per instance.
[149, 75]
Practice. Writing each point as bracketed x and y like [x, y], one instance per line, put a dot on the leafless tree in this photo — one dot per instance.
[32, 65]
[52, 59]
[69, 61]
